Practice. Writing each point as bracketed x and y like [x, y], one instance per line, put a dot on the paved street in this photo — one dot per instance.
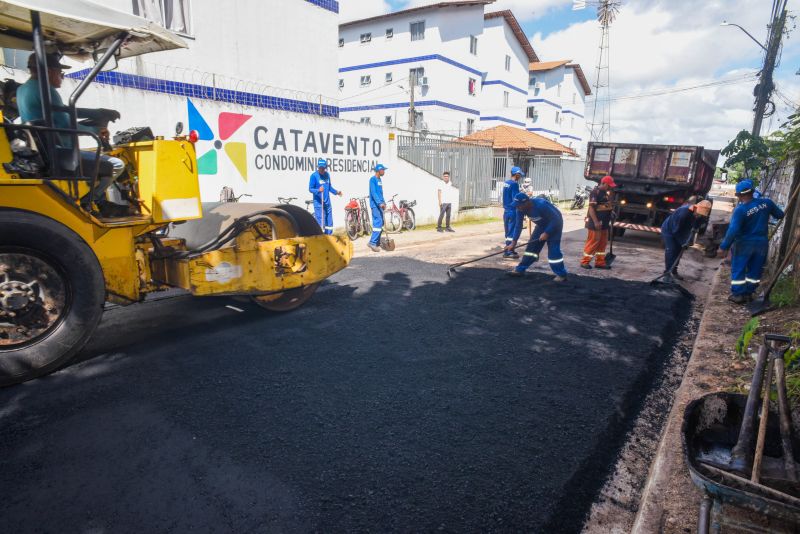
[396, 399]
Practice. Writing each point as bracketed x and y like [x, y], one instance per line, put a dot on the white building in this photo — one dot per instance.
[258, 81]
[469, 68]
[557, 92]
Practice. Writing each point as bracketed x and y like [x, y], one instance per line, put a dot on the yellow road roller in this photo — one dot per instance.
[64, 254]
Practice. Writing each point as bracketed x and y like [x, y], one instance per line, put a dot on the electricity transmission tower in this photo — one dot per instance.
[600, 127]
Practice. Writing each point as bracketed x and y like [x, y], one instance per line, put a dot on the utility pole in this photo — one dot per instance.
[412, 112]
[765, 84]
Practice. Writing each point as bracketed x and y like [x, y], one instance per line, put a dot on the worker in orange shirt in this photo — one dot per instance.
[598, 223]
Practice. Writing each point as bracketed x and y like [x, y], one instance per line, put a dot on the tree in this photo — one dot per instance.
[750, 151]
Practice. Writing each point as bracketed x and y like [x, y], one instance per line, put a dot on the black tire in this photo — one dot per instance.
[366, 224]
[409, 219]
[351, 225]
[293, 298]
[82, 290]
[577, 204]
[618, 232]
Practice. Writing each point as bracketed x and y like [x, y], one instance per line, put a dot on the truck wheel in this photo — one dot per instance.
[52, 292]
[293, 298]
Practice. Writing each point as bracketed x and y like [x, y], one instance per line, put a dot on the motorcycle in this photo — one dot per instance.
[581, 196]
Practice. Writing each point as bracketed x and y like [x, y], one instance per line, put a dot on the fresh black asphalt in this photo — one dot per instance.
[395, 400]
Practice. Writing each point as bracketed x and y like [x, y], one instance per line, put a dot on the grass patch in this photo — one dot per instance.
[746, 336]
[462, 222]
[786, 291]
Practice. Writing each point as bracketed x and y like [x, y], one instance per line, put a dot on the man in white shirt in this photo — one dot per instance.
[447, 195]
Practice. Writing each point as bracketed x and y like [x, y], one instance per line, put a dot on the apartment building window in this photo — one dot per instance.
[389, 33]
[473, 45]
[508, 63]
[533, 114]
[574, 97]
[366, 80]
[531, 80]
[341, 83]
[387, 120]
[418, 30]
[366, 37]
[415, 75]
[558, 117]
[341, 42]
[472, 86]
[173, 15]
[572, 122]
[470, 126]
[558, 90]
[366, 120]
[505, 99]
[388, 77]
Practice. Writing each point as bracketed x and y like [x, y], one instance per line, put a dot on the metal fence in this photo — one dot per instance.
[469, 164]
[551, 175]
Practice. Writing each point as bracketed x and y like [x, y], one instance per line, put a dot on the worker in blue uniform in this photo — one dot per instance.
[747, 237]
[676, 231]
[320, 186]
[376, 204]
[549, 226]
[510, 190]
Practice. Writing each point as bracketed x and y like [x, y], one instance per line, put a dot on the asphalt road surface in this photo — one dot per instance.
[396, 400]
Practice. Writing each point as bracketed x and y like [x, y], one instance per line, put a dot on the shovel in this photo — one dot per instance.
[451, 270]
[666, 277]
[761, 305]
[610, 256]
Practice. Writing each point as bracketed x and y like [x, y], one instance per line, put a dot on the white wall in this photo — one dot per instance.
[287, 44]
[563, 94]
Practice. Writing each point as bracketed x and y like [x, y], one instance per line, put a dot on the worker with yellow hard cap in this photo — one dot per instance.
[676, 230]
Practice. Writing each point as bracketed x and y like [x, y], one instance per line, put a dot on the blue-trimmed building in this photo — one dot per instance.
[468, 68]
[557, 92]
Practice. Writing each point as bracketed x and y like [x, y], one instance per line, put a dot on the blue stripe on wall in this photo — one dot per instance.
[145, 83]
[569, 111]
[543, 130]
[572, 137]
[506, 84]
[330, 5]
[417, 59]
[420, 103]
[542, 101]
[503, 119]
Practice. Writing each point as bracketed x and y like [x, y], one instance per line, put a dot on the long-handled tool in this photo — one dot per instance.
[762, 426]
[761, 305]
[666, 277]
[785, 418]
[610, 257]
[742, 453]
[451, 269]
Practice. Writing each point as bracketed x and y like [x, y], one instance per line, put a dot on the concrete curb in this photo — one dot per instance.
[668, 458]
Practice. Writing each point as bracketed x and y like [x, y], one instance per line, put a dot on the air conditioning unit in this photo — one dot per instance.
[423, 81]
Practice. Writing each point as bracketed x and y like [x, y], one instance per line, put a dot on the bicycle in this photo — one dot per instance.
[356, 218]
[286, 200]
[397, 219]
[227, 195]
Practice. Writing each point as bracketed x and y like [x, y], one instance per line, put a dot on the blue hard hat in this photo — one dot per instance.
[322, 163]
[743, 187]
[519, 199]
[380, 167]
[516, 170]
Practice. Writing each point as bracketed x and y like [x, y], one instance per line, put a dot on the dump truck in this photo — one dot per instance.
[653, 180]
[62, 258]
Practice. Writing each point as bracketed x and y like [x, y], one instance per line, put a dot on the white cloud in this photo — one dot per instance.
[662, 44]
[523, 9]
[359, 9]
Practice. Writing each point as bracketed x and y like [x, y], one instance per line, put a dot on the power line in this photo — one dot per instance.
[384, 86]
[732, 81]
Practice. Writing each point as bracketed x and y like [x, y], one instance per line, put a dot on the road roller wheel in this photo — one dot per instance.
[293, 298]
[51, 295]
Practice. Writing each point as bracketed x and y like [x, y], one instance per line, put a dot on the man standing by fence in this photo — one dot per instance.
[598, 223]
[447, 194]
[510, 190]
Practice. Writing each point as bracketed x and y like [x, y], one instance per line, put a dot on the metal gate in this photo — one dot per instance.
[552, 175]
[469, 164]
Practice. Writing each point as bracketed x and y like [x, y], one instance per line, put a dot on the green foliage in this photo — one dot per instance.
[751, 151]
[786, 291]
[746, 336]
[787, 140]
[793, 356]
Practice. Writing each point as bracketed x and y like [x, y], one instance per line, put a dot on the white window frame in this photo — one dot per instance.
[388, 77]
[574, 98]
[473, 45]
[365, 120]
[532, 113]
[420, 35]
[417, 74]
[389, 34]
[387, 120]
[558, 117]
[366, 80]
[155, 11]
[531, 80]
[558, 90]
[508, 63]
[572, 122]
[366, 38]
[474, 83]
[506, 98]
[470, 126]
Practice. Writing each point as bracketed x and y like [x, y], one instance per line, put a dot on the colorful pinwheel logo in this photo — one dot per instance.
[228, 124]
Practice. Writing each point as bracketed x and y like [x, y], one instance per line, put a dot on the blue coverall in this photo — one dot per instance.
[675, 232]
[747, 234]
[322, 180]
[375, 201]
[548, 220]
[510, 190]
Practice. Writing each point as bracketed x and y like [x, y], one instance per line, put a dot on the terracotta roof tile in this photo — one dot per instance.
[539, 66]
[510, 138]
[547, 65]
